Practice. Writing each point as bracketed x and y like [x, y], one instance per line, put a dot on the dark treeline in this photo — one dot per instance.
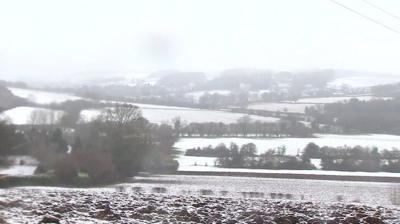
[237, 98]
[355, 116]
[208, 151]
[331, 158]
[246, 156]
[8, 100]
[12, 142]
[390, 90]
[245, 127]
[354, 158]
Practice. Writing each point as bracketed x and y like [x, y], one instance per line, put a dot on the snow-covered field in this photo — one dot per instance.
[18, 170]
[159, 116]
[363, 81]
[205, 199]
[148, 106]
[186, 162]
[293, 146]
[208, 164]
[281, 107]
[164, 114]
[31, 115]
[155, 113]
[42, 97]
[212, 168]
[300, 105]
[21, 166]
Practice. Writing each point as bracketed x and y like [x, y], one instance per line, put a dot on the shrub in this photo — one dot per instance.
[65, 170]
[98, 165]
[4, 162]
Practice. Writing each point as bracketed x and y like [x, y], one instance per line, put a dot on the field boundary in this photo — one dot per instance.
[294, 176]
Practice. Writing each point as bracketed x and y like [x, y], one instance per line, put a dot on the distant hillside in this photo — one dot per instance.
[8, 100]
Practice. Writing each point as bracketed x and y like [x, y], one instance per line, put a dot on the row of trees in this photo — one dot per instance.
[375, 116]
[216, 100]
[388, 90]
[246, 156]
[355, 158]
[244, 127]
[331, 158]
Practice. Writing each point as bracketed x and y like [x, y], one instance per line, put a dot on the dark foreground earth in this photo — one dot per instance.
[58, 205]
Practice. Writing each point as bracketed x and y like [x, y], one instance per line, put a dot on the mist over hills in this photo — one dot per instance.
[119, 77]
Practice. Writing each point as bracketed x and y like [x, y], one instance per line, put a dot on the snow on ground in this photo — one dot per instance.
[300, 105]
[281, 107]
[316, 163]
[208, 164]
[89, 115]
[31, 115]
[205, 199]
[21, 166]
[42, 97]
[164, 114]
[18, 170]
[159, 116]
[211, 168]
[363, 81]
[189, 161]
[25, 159]
[295, 145]
[149, 106]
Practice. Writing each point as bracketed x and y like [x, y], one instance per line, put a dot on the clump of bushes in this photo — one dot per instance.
[118, 145]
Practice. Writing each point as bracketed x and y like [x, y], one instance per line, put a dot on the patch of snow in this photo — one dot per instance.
[18, 170]
[42, 97]
[363, 81]
[308, 172]
[316, 163]
[31, 115]
[164, 114]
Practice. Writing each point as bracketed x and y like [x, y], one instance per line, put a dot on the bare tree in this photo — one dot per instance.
[42, 116]
[243, 124]
[121, 115]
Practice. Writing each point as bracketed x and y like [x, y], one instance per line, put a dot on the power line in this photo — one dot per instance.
[382, 9]
[366, 17]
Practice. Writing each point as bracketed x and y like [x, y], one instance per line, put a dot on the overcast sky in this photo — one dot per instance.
[58, 39]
